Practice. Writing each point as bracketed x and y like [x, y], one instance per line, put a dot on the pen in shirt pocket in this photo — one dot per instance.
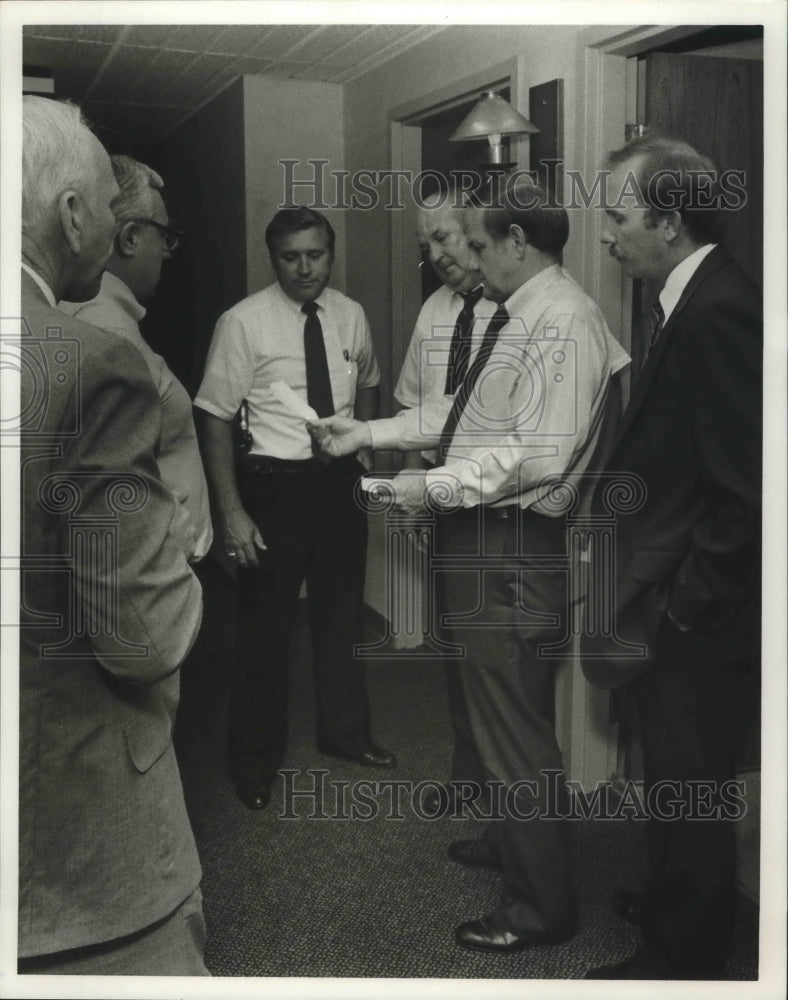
[346, 356]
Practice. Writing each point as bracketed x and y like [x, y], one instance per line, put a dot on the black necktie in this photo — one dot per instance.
[657, 321]
[460, 350]
[318, 383]
[463, 394]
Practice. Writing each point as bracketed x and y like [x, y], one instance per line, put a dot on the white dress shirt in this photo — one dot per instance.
[537, 408]
[423, 375]
[679, 278]
[260, 341]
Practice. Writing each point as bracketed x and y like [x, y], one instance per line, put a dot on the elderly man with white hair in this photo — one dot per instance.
[143, 241]
[108, 869]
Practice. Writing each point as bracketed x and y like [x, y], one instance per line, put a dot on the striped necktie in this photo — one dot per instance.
[463, 394]
[657, 322]
[460, 350]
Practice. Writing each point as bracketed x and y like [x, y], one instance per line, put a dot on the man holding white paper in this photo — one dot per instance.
[295, 349]
[513, 440]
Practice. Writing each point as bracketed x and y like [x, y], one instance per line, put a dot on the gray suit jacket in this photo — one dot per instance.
[109, 610]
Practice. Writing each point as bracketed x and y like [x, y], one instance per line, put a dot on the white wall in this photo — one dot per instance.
[287, 119]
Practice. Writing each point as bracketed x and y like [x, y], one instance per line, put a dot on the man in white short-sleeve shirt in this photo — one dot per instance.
[284, 514]
[446, 337]
[442, 345]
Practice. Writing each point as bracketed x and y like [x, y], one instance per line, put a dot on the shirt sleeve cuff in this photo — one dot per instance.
[445, 489]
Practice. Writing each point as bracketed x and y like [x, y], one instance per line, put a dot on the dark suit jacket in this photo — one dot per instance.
[692, 432]
[109, 610]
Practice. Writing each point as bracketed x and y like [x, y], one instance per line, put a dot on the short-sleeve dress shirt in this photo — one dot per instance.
[116, 310]
[423, 375]
[260, 341]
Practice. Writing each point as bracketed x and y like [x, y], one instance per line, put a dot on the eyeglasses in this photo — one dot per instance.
[172, 237]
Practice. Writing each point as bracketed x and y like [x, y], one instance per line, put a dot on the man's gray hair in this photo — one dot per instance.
[55, 155]
[136, 182]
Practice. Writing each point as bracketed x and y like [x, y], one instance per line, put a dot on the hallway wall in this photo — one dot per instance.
[287, 120]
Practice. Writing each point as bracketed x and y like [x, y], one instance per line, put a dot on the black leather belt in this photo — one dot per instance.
[267, 465]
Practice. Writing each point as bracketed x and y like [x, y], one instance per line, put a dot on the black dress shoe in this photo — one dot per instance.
[626, 903]
[474, 854]
[490, 934]
[436, 801]
[253, 794]
[371, 756]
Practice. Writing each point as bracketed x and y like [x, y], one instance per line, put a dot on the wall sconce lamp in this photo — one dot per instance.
[492, 118]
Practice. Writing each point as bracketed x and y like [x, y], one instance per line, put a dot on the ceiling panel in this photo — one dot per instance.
[51, 31]
[367, 40]
[131, 69]
[195, 37]
[152, 35]
[148, 78]
[200, 73]
[100, 32]
[278, 40]
[236, 40]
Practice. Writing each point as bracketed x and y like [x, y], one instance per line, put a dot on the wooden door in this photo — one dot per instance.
[716, 104]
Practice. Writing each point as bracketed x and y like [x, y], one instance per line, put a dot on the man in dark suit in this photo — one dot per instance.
[687, 569]
[108, 869]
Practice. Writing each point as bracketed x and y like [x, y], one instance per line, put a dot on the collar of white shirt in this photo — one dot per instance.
[679, 278]
[48, 293]
[296, 306]
[515, 303]
[119, 291]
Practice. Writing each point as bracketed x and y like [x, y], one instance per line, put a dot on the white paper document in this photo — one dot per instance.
[293, 401]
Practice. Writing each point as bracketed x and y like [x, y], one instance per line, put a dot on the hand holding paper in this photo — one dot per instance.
[340, 435]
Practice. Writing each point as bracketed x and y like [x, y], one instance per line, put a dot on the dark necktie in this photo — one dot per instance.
[657, 322]
[318, 383]
[460, 350]
[463, 394]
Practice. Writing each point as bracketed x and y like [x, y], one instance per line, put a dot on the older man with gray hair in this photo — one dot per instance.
[143, 241]
[108, 869]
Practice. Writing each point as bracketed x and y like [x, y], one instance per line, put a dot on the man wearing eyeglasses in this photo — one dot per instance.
[144, 239]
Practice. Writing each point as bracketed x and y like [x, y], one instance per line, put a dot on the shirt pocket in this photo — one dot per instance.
[344, 377]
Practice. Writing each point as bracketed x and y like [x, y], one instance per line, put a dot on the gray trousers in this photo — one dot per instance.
[509, 692]
[170, 947]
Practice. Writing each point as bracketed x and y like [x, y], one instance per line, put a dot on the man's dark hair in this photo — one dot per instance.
[293, 220]
[519, 201]
[674, 176]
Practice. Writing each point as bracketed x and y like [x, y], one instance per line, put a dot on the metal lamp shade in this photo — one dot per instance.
[492, 116]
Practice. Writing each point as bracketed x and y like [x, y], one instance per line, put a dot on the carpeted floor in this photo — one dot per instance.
[290, 893]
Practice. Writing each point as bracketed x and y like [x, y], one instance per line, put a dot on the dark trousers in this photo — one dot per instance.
[314, 530]
[508, 690]
[466, 764]
[687, 710]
